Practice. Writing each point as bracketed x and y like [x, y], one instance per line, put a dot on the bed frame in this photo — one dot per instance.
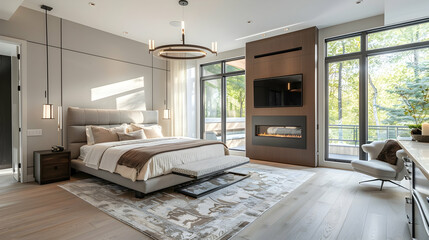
[78, 118]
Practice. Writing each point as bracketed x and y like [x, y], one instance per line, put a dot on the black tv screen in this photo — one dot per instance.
[284, 91]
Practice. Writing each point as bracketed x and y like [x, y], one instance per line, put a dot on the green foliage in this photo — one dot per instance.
[398, 84]
[411, 126]
[414, 97]
[342, 46]
[236, 93]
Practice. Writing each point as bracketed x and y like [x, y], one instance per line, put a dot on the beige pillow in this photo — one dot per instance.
[153, 131]
[90, 133]
[136, 126]
[102, 134]
[132, 135]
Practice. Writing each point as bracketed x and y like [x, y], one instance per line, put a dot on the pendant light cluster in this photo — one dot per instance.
[48, 109]
[182, 51]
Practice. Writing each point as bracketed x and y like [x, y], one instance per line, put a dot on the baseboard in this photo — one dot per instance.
[30, 178]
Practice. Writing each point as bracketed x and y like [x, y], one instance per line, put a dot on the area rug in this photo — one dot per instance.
[171, 215]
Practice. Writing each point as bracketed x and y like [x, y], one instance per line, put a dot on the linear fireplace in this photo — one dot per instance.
[279, 131]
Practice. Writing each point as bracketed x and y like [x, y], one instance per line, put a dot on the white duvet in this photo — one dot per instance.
[105, 156]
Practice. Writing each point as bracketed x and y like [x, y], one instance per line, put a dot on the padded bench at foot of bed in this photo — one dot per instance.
[212, 166]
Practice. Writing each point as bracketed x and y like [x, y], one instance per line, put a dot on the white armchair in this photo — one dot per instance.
[382, 171]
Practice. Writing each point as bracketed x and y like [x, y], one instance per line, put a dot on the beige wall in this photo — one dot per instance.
[91, 59]
[337, 30]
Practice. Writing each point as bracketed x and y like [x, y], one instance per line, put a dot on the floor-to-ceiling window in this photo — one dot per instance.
[377, 85]
[223, 95]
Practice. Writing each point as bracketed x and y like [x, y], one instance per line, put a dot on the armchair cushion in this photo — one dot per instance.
[388, 153]
[375, 168]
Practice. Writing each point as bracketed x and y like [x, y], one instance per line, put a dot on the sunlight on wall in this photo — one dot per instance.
[133, 101]
[116, 88]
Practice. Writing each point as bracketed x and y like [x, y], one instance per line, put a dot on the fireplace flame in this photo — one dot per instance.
[280, 135]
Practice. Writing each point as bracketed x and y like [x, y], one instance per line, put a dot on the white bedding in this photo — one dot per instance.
[106, 155]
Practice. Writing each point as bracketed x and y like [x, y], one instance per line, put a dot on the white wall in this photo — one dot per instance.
[338, 30]
[91, 59]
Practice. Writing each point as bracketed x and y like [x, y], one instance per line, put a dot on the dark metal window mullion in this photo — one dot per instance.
[223, 102]
[363, 97]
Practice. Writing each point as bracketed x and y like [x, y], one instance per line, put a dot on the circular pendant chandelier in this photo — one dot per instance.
[182, 51]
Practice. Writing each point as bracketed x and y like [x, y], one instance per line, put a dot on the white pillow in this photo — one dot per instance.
[90, 136]
[154, 131]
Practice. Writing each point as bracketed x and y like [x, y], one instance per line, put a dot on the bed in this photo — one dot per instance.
[151, 178]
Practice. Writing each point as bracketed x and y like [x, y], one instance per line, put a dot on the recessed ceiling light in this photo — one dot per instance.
[359, 1]
[263, 35]
[249, 21]
[176, 23]
[125, 32]
[91, 4]
[286, 29]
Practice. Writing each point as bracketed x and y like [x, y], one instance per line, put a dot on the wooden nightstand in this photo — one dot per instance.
[51, 166]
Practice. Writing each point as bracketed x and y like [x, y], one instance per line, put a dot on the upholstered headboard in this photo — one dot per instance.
[78, 118]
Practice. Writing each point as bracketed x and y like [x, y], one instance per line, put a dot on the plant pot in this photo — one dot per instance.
[420, 138]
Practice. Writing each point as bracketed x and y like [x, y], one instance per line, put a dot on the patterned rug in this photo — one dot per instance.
[170, 215]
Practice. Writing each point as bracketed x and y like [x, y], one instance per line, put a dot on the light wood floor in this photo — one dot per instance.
[331, 205]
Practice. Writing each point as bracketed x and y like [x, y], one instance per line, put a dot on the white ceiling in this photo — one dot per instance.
[208, 20]
[8, 8]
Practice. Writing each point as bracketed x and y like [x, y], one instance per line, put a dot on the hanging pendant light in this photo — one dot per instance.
[182, 51]
[48, 109]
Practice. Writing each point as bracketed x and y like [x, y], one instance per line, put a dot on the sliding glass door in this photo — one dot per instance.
[377, 85]
[223, 102]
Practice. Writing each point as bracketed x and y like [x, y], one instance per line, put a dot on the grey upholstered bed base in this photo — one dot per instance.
[78, 118]
[148, 186]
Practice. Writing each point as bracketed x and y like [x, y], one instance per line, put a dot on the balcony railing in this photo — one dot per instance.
[349, 134]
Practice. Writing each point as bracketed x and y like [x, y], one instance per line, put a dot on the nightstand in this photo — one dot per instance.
[51, 166]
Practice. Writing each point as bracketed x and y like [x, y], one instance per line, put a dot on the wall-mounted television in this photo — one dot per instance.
[283, 91]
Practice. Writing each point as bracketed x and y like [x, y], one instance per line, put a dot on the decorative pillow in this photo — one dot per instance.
[132, 135]
[136, 126]
[388, 153]
[102, 134]
[91, 140]
[153, 131]
[129, 129]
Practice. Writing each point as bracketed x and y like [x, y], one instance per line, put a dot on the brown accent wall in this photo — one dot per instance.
[296, 62]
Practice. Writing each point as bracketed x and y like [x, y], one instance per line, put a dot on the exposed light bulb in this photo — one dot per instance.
[183, 27]
[151, 44]
[214, 46]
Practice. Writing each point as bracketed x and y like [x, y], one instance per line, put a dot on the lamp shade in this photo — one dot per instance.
[166, 114]
[48, 111]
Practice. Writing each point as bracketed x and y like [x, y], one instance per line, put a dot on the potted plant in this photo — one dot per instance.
[418, 109]
[416, 129]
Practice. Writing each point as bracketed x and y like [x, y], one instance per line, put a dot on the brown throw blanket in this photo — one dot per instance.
[388, 153]
[138, 157]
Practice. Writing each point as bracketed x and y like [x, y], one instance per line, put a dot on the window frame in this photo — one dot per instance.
[222, 76]
[363, 77]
